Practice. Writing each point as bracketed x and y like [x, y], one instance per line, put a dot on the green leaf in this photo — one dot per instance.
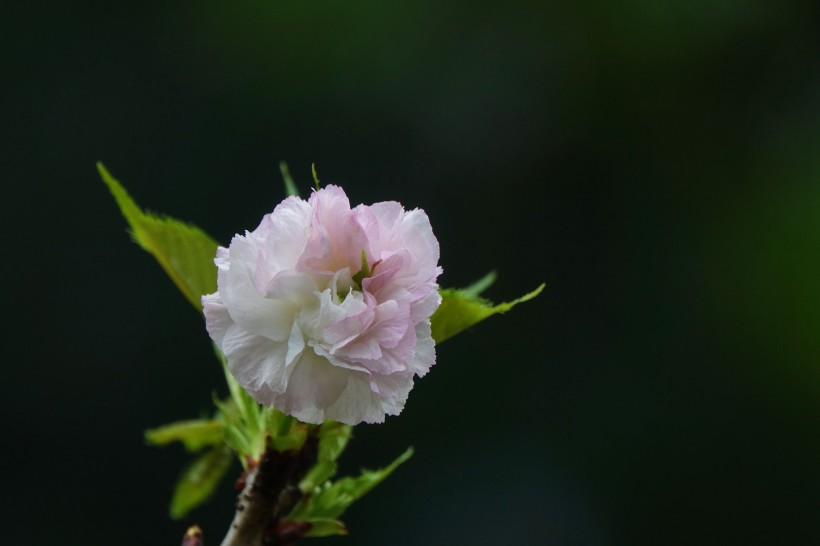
[481, 284]
[194, 434]
[235, 432]
[237, 440]
[248, 408]
[333, 438]
[330, 501]
[459, 310]
[290, 185]
[199, 480]
[322, 527]
[184, 251]
[315, 176]
[285, 432]
[249, 425]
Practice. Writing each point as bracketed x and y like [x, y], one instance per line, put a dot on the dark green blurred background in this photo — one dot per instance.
[655, 163]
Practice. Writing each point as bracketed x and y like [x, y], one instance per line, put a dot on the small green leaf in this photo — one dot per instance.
[315, 176]
[253, 422]
[237, 440]
[321, 472]
[194, 434]
[235, 432]
[459, 310]
[184, 251]
[199, 480]
[251, 425]
[226, 410]
[279, 423]
[333, 438]
[285, 432]
[290, 185]
[481, 284]
[330, 501]
[322, 527]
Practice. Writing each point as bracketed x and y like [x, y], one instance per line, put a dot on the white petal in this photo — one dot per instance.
[291, 286]
[392, 391]
[217, 319]
[417, 236]
[395, 359]
[423, 308]
[388, 214]
[425, 354]
[296, 344]
[314, 385]
[257, 363]
[257, 314]
[356, 403]
[337, 361]
[222, 260]
[283, 234]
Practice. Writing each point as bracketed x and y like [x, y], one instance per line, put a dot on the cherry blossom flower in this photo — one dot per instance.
[323, 311]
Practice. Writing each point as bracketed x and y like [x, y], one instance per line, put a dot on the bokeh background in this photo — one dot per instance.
[655, 163]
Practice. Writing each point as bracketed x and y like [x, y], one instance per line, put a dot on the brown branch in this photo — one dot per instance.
[271, 488]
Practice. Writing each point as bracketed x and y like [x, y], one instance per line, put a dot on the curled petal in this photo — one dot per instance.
[314, 386]
[255, 361]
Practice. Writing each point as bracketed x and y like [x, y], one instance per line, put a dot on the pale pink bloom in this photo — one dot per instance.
[306, 329]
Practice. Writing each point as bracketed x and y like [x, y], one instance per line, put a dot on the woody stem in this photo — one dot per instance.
[270, 489]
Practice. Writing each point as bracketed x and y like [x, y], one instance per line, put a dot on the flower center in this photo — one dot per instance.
[345, 284]
[365, 272]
